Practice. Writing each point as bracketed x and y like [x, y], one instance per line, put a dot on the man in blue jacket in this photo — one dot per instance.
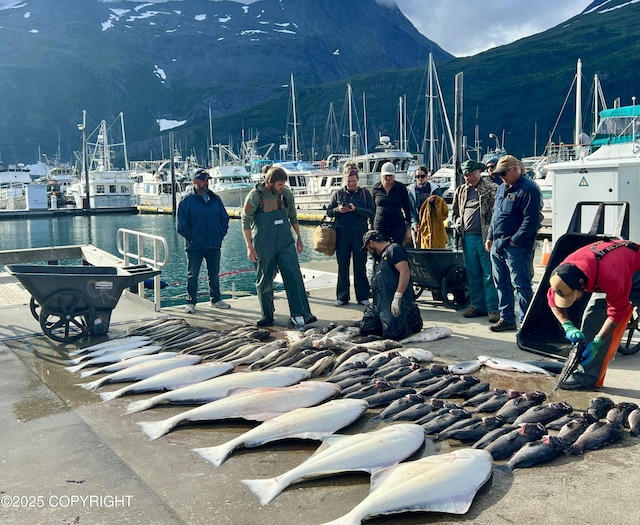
[511, 240]
[203, 222]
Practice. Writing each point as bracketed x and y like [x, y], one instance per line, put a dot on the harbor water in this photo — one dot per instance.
[236, 271]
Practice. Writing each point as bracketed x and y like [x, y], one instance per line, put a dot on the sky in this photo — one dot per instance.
[460, 27]
[468, 27]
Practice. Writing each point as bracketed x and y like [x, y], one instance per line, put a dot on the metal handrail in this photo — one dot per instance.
[158, 259]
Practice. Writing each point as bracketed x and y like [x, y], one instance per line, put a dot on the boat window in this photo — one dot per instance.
[124, 189]
[616, 127]
[100, 189]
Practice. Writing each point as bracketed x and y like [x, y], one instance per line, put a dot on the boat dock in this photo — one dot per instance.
[67, 457]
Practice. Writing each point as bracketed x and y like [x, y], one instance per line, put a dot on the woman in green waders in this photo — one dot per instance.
[268, 215]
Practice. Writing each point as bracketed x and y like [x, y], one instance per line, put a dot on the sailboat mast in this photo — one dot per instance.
[364, 110]
[432, 149]
[295, 121]
[352, 146]
[596, 92]
[124, 142]
[211, 138]
[578, 124]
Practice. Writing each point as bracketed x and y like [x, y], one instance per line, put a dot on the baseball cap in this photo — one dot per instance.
[371, 235]
[506, 163]
[388, 169]
[201, 174]
[471, 165]
[565, 282]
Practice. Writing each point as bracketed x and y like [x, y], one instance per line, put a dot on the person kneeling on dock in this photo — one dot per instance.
[393, 312]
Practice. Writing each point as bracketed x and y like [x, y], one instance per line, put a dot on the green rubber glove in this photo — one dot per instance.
[573, 334]
[590, 352]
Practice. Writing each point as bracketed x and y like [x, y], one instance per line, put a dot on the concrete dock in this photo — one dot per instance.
[68, 458]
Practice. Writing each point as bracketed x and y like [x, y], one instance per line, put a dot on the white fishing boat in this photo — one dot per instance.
[108, 187]
[609, 172]
[313, 183]
[13, 182]
[153, 188]
[230, 178]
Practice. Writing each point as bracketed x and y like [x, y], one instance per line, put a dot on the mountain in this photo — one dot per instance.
[517, 91]
[175, 59]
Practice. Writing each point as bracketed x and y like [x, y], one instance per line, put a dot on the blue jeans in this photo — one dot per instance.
[511, 273]
[478, 265]
[194, 262]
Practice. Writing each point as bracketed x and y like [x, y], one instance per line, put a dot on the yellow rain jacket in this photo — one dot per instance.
[432, 232]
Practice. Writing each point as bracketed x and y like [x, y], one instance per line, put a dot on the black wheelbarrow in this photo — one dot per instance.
[72, 302]
[440, 270]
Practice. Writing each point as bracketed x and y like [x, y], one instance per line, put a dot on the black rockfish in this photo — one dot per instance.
[599, 406]
[454, 388]
[573, 429]
[401, 404]
[634, 423]
[497, 401]
[473, 431]
[619, 413]
[535, 452]
[444, 420]
[417, 411]
[519, 405]
[544, 413]
[508, 444]
[598, 435]
[483, 396]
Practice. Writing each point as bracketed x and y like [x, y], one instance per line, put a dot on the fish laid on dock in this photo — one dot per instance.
[125, 363]
[500, 363]
[133, 341]
[301, 423]
[368, 451]
[255, 404]
[142, 371]
[219, 387]
[173, 379]
[441, 483]
[536, 452]
[114, 357]
[432, 333]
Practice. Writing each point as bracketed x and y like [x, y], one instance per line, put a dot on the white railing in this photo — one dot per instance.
[147, 249]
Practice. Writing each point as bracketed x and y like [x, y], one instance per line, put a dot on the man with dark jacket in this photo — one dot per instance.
[511, 240]
[203, 222]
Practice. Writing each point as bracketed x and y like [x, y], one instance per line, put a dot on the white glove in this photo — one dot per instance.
[395, 304]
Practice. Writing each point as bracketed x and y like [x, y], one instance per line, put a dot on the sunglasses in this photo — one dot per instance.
[423, 176]
[491, 167]
[503, 173]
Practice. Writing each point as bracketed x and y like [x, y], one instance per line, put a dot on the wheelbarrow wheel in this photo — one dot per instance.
[66, 316]
[628, 347]
[35, 309]
[454, 288]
